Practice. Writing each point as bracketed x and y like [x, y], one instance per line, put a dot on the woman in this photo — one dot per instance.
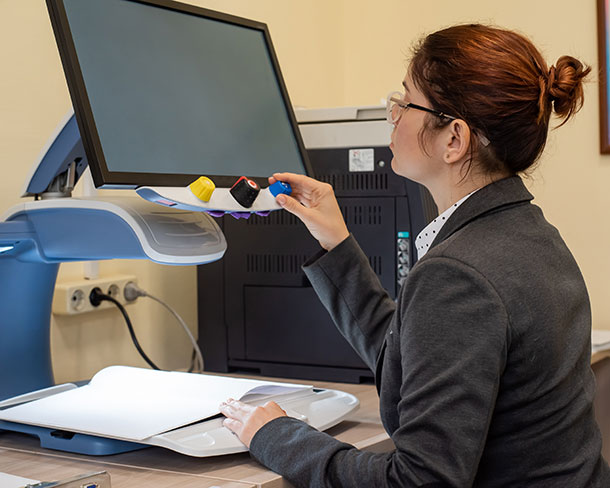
[482, 365]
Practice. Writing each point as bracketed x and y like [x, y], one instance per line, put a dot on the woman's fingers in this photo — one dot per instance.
[315, 204]
[234, 409]
[233, 425]
[299, 193]
[245, 420]
[299, 183]
[290, 204]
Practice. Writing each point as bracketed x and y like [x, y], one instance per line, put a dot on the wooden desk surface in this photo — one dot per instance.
[167, 468]
[599, 356]
[154, 467]
[52, 467]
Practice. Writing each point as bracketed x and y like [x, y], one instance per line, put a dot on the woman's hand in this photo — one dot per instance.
[245, 420]
[315, 204]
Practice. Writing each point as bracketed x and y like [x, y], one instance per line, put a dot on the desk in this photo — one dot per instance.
[599, 356]
[600, 362]
[156, 467]
[599, 339]
[43, 466]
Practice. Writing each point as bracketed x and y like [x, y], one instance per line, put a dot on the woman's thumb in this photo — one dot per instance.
[281, 199]
[289, 204]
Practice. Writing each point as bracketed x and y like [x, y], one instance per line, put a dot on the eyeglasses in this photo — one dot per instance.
[396, 105]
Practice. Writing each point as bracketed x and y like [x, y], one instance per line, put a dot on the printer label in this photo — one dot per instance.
[361, 160]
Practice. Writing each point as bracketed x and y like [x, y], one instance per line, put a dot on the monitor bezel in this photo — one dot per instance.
[102, 176]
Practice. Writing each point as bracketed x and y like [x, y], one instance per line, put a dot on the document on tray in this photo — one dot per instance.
[133, 403]
[11, 481]
[600, 340]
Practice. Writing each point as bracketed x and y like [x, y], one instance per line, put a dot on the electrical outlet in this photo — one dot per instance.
[72, 298]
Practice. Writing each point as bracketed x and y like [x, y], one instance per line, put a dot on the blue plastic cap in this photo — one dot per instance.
[280, 187]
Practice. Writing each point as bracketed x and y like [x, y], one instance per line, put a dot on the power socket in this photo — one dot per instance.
[72, 298]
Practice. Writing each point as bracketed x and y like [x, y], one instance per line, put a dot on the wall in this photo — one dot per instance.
[332, 52]
[571, 182]
[34, 98]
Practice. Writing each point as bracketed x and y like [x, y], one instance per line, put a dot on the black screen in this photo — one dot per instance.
[168, 92]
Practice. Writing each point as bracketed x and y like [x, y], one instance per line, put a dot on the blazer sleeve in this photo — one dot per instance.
[352, 293]
[448, 353]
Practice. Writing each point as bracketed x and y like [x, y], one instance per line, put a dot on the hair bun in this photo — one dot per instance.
[565, 86]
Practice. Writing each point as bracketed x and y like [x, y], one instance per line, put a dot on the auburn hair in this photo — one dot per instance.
[500, 85]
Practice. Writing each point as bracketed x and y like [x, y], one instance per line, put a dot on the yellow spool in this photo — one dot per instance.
[202, 188]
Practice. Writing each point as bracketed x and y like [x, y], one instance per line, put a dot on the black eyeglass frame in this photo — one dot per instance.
[405, 105]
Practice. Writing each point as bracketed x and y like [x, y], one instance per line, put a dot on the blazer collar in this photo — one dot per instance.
[501, 193]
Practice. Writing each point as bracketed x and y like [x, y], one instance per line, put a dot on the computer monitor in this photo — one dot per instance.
[166, 92]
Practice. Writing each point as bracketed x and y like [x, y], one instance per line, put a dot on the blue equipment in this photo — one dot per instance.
[208, 100]
[36, 236]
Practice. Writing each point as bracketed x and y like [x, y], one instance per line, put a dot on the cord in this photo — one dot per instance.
[132, 291]
[97, 296]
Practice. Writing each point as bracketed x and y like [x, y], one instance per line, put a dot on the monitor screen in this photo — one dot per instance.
[166, 92]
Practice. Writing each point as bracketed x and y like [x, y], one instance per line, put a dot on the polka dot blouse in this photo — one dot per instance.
[426, 236]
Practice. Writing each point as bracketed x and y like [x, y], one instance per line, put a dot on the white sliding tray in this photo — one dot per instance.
[322, 409]
[174, 410]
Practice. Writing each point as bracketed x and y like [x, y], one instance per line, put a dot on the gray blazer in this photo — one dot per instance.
[482, 365]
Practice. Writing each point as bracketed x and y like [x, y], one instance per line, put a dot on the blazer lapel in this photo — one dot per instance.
[505, 192]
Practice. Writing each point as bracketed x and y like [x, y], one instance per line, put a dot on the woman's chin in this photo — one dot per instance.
[394, 166]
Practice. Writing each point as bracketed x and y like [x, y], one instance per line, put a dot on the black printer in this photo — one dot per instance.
[257, 312]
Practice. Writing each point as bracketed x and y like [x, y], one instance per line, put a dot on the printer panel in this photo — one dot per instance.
[298, 331]
[332, 166]
[263, 315]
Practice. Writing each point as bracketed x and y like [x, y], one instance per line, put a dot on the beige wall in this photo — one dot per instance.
[332, 52]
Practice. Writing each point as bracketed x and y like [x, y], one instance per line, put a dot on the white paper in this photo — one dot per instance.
[600, 340]
[132, 403]
[10, 481]
[361, 160]
[35, 395]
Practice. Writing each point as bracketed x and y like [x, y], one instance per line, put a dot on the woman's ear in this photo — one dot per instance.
[457, 142]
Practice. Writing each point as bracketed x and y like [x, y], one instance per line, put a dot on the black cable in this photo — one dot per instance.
[97, 296]
[192, 366]
[132, 292]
